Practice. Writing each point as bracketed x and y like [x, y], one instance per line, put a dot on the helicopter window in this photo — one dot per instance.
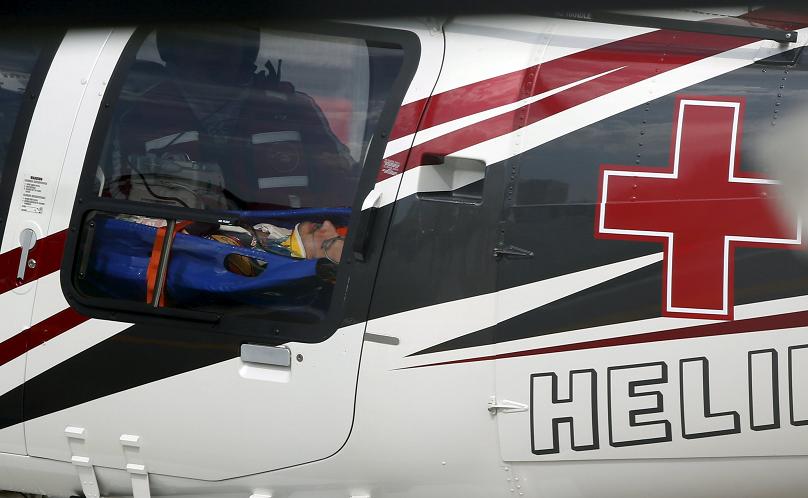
[242, 118]
[18, 56]
[233, 155]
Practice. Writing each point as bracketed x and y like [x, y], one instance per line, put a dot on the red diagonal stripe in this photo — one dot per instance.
[407, 119]
[643, 56]
[48, 255]
[647, 48]
[39, 333]
[759, 324]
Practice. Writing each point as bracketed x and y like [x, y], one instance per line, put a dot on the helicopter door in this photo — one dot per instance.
[26, 202]
[218, 221]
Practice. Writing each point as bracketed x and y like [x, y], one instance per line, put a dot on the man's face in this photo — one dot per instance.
[314, 235]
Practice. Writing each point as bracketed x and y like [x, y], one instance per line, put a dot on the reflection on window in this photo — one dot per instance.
[18, 55]
[268, 128]
[239, 118]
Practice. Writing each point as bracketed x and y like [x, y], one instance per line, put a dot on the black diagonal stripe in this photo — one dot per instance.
[637, 296]
[634, 296]
[136, 356]
[147, 353]
[11, 407]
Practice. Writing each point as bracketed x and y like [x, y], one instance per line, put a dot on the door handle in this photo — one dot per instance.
[27, 242]
[512, 252]
[266, 355]
[505, 406]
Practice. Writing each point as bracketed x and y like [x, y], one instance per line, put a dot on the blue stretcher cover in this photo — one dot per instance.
[196, 271]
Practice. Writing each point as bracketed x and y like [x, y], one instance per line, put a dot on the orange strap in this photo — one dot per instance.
[154, 261]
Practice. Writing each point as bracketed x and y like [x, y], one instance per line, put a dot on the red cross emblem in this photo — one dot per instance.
[701, 207]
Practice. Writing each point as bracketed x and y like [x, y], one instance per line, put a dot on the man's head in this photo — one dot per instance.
[321, 240]
[316, 240]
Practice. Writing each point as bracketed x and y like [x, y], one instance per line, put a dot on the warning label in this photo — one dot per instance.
[33, 198]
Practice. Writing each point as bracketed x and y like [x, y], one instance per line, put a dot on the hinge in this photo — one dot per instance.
[135, 466]
[512, 252]
[76, 437]
[505, 406]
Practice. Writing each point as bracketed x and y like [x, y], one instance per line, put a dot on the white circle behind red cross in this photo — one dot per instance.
[700, 208]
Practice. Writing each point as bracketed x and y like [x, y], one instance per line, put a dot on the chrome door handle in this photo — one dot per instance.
[27, 242]
[266, 355]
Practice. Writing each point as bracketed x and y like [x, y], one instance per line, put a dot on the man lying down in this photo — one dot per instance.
[307, 240]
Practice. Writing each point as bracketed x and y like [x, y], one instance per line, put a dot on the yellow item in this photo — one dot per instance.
[295, 244]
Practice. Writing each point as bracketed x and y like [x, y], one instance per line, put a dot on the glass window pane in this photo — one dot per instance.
[242, 118]
[114, 255]
[18, 55]
[268, 129]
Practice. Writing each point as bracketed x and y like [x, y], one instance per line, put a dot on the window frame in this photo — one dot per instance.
[50, 45]
[341, 311]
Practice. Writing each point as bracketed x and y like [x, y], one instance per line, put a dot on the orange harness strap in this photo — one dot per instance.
[154, 261]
